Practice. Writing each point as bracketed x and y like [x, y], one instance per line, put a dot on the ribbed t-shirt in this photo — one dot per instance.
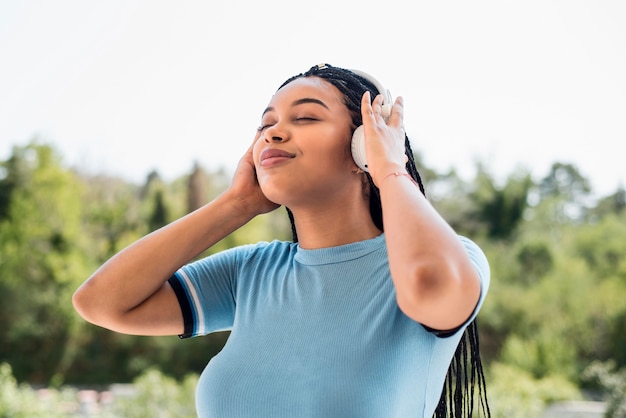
[314, 333]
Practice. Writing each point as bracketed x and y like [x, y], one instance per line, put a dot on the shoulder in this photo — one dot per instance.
[256, 253]
[264, 249]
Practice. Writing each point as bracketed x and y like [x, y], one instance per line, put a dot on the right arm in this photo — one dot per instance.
[130, 293]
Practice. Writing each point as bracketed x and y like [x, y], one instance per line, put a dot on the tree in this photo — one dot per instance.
[564, 180]
[111, 215]
[501, 210]
[613, 204]
[155, 210]
[567, 190]
[197, 188]
[159, 214]
[41, 262]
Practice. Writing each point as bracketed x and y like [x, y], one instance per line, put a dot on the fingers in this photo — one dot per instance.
[397, 113]
[373, 110]
[384, 140]
[366, 107]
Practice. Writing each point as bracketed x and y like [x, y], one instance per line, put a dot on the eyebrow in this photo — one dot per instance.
[299, 102]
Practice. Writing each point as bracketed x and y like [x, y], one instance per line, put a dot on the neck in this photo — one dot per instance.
[330, 225]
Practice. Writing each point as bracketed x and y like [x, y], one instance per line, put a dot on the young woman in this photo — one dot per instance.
[360, 316]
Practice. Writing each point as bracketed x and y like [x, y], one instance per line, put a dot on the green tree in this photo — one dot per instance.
[159, 214]
[614, 204]
[112, 217]
[41, 262]
[197, 188]
[567, 190]
[452, 198]
[501, 209]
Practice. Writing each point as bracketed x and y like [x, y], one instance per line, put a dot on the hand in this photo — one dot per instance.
[245, 186]
[384, 141]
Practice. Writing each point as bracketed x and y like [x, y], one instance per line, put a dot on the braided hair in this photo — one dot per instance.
[465, 371]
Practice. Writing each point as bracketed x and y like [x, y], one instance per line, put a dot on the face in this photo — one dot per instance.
[303, 148]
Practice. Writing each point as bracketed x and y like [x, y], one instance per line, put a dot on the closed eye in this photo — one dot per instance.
[263, 127]
[306, 119]
[266, 123]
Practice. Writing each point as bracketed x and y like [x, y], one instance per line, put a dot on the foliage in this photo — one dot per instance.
[556, 304]
[515, 393]
[152, 395]
[42, 260]
[158, 396]
[22, 401]
[614, 384]
[500, 210]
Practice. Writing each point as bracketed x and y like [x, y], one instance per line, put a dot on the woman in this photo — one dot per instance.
[359, 316]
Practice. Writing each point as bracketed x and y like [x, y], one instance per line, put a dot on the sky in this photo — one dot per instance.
[124, 87]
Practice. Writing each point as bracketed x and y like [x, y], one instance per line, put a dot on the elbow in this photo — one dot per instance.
[89, 305]
[438, 296]
[417, 291]
[81, 303]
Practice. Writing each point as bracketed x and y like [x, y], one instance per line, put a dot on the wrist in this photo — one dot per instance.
[382, 173]
[398, 174]
[239, 206]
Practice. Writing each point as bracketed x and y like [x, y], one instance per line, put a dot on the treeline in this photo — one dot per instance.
[557, 303]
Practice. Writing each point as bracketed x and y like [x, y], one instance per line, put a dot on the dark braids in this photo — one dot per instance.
[465, 371]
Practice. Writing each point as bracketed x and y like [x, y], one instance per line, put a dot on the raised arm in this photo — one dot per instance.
[435, 281]
[130, 293]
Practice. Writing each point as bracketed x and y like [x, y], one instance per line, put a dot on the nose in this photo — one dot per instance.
[275, 133]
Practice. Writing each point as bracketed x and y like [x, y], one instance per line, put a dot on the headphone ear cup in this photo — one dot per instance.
[358, 141]
[358, 148]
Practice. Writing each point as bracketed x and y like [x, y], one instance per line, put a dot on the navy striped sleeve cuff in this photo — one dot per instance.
[185, 306]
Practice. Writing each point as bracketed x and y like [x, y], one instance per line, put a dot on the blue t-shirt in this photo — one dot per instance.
[314, 333]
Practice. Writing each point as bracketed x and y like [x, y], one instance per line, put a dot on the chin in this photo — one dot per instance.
[274, 194]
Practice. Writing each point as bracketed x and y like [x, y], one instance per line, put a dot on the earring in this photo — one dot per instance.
[358, 171]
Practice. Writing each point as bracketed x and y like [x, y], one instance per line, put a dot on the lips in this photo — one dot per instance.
[274, 156]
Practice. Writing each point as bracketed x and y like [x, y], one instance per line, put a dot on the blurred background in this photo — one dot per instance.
[118, 117]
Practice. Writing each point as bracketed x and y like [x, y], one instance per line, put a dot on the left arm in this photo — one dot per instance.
[435, 280]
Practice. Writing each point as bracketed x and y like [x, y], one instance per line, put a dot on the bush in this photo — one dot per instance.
[613, 382]
[159, 396]
[152, 395]
[22, 401]
[515, 393]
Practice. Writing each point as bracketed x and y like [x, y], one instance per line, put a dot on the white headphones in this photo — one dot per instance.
[358, 138]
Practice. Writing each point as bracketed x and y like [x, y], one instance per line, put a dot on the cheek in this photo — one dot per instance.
[256, 150]
[342, 145]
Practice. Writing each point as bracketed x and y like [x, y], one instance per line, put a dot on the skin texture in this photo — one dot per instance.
[305, 131]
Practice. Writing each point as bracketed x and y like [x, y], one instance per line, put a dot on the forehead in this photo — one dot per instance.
[310, 87]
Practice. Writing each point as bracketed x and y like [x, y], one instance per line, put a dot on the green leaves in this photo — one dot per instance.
[556, 302]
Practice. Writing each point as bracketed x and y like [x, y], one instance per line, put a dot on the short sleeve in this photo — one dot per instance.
[205, 290]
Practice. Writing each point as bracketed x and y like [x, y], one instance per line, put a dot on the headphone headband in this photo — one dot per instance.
[387, 100]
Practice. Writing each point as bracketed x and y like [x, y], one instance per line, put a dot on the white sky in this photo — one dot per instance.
[127, 86]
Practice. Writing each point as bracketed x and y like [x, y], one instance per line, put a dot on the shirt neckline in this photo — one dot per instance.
[340, 253]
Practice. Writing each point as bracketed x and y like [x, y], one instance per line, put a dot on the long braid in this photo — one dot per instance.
[465, 373]
[466, 370]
